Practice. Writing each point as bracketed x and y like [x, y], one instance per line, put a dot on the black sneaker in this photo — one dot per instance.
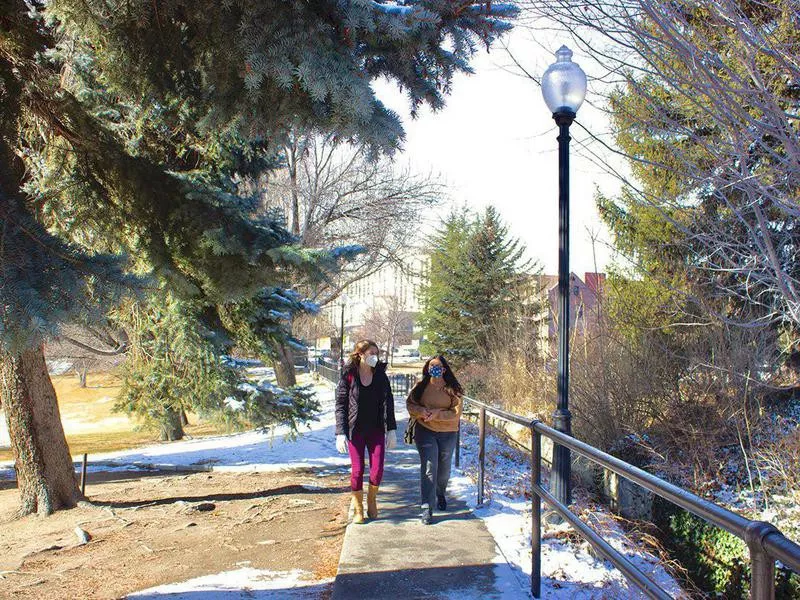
[441, 503]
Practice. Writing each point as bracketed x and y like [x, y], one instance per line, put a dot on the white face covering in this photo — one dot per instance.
[371, 360]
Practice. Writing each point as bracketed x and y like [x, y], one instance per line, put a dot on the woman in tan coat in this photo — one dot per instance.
[435, 403]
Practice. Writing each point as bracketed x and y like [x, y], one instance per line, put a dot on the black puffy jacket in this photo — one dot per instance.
[347, 400]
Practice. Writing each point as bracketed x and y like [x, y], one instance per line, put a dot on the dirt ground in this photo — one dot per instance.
[148, 529]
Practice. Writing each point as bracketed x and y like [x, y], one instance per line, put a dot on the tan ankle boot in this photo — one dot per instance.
[372, 502]
[358, 506]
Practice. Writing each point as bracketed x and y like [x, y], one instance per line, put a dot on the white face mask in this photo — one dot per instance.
[371, 360]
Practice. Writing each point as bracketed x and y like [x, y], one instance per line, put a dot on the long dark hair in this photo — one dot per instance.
[451, 385]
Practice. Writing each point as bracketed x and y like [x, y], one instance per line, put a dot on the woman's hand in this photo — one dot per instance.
[341, 443]
[391, 439]
[429, 415]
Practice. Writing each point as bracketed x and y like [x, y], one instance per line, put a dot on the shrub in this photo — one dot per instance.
[717, 561]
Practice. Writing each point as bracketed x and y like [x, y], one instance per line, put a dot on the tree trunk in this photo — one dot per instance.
[45, 475]
[391, 343]
[292, 168]
[82, 373]
[184, 418]
[171, 426]
[284, 366]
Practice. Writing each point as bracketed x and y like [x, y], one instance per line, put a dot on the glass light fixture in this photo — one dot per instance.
[564, 84]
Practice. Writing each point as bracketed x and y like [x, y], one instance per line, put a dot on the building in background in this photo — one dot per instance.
[585, 307]
[384, 305]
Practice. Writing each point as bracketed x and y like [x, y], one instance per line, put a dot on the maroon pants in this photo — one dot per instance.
[372, 441]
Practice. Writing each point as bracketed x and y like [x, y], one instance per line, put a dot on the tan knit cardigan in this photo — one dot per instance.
[446, 408]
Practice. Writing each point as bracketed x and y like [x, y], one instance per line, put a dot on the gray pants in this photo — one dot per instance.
[435, 457]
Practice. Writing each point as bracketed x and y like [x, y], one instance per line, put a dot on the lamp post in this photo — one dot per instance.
[563, 88]
[343, 298]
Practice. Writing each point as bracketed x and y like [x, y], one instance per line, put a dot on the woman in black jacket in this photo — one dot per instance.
[365, 422]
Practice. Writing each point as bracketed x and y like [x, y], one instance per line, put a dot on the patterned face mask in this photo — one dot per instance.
[436, 371]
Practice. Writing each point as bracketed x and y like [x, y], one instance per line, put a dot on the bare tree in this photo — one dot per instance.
[336, 194]
[389, 321]
[717, 84]
[88, 347]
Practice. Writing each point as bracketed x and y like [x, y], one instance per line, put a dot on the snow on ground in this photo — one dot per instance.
[249, 451]
[245, 583]
[59, 366]
[569, 571]
[5, 440]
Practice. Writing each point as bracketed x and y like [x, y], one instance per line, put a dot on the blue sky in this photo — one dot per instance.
[495, 142]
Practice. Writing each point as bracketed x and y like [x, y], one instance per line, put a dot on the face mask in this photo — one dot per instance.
[436, 371]
[371, 360]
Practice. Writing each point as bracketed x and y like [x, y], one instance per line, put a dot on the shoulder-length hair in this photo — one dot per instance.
[451, 385]
[354, 359]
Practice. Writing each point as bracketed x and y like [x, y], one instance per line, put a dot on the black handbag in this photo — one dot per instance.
[411, 427]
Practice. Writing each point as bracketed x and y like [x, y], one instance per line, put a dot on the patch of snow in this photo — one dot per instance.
[245, 583]
[238, 452]
[393, 8]
[569, 570]
[260, 372]
[234, 404]
[58, 367]
[240, 363]
[5, 440]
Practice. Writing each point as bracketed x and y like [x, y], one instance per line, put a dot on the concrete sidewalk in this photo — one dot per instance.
[398, 557]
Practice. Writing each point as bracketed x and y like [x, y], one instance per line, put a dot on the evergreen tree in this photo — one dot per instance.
[262, 325]
[191, 79]
[176, 366]
[444, 324]
[477, 278]
[496, 277]
[704, 215]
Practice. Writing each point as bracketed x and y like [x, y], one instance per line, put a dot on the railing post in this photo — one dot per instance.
[83, 475]
[536, 514]
[481, 453]
[458, 446]
[762, 566]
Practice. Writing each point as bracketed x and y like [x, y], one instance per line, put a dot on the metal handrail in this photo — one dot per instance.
[401, 383]
[765, 542]
[327, 370]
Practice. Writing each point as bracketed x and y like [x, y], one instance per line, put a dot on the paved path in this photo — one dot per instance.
[397, 557]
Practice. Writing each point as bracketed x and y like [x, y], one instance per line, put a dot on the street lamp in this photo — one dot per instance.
[563, 88]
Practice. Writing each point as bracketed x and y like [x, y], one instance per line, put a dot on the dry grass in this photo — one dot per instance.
[89, 423]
